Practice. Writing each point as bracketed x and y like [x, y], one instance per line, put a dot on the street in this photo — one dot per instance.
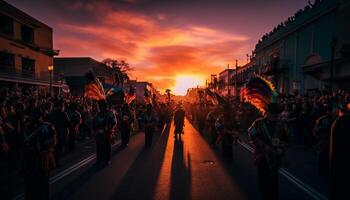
[171, 169]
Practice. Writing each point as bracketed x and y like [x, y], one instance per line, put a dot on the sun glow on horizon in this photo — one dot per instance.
[184, 82]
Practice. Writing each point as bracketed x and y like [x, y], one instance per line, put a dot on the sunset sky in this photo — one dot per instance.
[165, 41]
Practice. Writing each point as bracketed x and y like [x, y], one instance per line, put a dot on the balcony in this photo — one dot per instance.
[10, 74]
[274, 66]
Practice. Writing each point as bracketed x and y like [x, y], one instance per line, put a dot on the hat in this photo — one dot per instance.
[58, 101]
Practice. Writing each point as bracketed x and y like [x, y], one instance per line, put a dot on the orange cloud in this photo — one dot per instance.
[158, 51]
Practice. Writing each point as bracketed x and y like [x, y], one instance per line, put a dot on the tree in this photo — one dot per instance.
[120, 69]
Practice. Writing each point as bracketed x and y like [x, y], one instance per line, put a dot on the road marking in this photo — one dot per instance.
[300, 184]
[69, 170]
[74, 168]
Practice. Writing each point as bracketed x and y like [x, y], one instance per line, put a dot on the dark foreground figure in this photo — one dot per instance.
[103, 127]
[125, 120]
[269, 140]
[339, 167]
[149, 122]
[38, 159]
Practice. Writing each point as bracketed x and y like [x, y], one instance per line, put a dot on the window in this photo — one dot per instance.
[28, 67]
[27, 34]
[6, 25]
[7, 62]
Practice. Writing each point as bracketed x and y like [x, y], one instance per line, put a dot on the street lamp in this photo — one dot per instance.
[50, 68]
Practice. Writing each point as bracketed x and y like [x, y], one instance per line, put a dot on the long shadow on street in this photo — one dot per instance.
[141, 179]
[180, 174]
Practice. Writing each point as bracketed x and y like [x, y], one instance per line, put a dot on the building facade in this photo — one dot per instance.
[225, 84]
[140, 88]
[73, 70]
[26, 48]
[300, 52]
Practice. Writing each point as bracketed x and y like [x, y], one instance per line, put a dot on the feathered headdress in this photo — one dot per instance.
[214, 97]
[94, 88]
[259, 92]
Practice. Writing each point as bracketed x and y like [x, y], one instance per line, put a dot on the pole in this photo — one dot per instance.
[236, 70]
[51, 83]
[333, 42]
[228, 80]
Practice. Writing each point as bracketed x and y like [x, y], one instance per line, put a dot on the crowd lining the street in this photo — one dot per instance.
[307, 120]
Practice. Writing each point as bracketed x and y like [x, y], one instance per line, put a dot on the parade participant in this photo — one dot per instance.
[179, 117]
[4, 147]
[211, 126]
[37, 160]
[46, 110]
[200, 117]
[339, 167]
[229, 133]
[322, 131]
[149, 121]
[124, 122]
[267, 135]
[269, 139]
[61, 122]
[75, 118]
[104, 127]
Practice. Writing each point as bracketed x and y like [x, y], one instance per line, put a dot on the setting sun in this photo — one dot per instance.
[183, 82]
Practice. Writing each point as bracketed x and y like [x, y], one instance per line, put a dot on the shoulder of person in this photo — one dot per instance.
[252, 130]
[323, 117]
[258, 121]
[110, 114]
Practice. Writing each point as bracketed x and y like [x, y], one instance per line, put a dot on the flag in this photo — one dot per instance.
[113, 91]
[214, 97]
[130, 95]
[93, 88]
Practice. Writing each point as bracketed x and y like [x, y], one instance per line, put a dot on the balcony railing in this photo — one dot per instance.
[10, 73]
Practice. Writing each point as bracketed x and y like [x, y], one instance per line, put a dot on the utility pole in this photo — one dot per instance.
[236, 70]
[228, 80]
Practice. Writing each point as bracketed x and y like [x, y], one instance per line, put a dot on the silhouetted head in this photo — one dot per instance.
[59, 102]
[149, 107]
[102, 104]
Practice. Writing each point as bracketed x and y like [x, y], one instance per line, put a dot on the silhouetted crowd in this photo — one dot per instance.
[71, 117]
[319, 121]
[38, 129]
[290, 20]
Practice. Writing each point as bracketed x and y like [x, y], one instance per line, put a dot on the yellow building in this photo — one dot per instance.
[26, 48]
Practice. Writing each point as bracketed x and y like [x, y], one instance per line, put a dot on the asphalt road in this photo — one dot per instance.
[172, 169]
